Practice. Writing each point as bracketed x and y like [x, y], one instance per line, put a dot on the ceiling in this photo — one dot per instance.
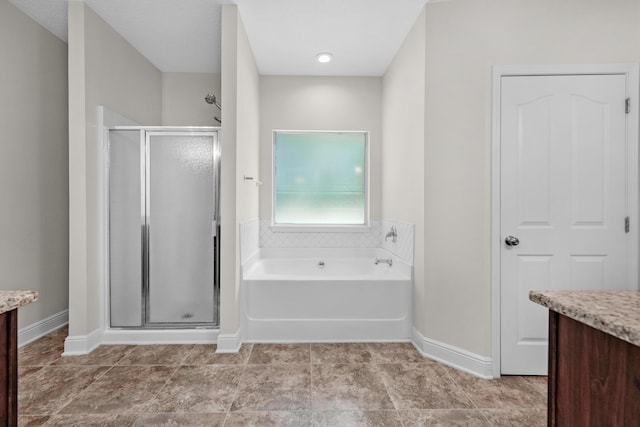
[285, 35]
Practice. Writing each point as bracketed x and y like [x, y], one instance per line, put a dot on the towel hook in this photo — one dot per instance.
[250, 178]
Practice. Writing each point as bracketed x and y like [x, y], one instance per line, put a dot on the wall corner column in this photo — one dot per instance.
[77, 171]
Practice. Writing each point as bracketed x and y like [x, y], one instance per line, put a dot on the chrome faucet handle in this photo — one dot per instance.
[393, 234]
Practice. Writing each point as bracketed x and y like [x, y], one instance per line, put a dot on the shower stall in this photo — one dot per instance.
[163, 209]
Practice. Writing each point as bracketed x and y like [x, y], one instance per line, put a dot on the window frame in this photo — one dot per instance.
[312, 227]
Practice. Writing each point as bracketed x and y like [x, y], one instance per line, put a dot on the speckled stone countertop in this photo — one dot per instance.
[10, 300]
[615, 312]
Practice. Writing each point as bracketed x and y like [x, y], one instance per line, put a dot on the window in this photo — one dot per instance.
[320, 178]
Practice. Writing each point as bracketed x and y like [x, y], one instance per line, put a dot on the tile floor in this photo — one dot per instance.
[264, 385]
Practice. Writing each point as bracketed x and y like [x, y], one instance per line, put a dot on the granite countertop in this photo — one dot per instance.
[10, 300]
[615, 312]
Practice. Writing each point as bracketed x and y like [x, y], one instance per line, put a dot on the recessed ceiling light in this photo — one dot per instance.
[324, 57]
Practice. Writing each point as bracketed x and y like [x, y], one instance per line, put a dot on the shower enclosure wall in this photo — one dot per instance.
[163, 227]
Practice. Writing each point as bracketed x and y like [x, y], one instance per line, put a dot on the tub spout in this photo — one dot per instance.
[393, 233]
[388, 261]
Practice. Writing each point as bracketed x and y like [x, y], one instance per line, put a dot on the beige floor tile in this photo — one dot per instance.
[444, 418]
[356, 419]
[422, 386]
[284, 387]
[203, 389]
[264, 385]
[517, 417]
[26, 371]
[539, 382]
[395, 353]
[32, 420]
[105, 355]
[279, 353]
[44, 390]
[340, 353]
[172, 420]
[61, 332]
[269, 419]
[122, 390]
[505, 392]
[42, 352]
[86, 420]
[171, 354]
[348, 387]
[206, 355]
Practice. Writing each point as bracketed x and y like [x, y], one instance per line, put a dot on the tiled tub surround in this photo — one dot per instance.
[255, 235]
[296, 385]
[369, 238]
[249, 240]
[403, 247]
[335, 295]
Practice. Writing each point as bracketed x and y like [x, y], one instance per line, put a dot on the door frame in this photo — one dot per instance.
[632, 74]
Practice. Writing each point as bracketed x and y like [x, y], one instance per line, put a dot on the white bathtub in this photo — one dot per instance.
[288, 295]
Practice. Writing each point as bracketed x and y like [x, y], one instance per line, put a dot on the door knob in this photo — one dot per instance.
[512, 241]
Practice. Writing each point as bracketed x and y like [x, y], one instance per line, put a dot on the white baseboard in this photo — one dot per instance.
[229, 343]
[82, 344]
[164, 336]
[455, 357]
[43, 327]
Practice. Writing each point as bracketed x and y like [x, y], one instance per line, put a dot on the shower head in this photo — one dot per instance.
[211, 99]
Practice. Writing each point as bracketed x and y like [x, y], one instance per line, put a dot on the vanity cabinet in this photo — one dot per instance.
[9, 303]
[9, 368]
[594, 377]
[594, 357]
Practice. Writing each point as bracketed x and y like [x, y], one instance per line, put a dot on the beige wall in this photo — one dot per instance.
[33, 164]
[248, 131]
[183, 101]
[403, 100]
[320, 103]
[104, 69]
[464, 39]
[241, 115]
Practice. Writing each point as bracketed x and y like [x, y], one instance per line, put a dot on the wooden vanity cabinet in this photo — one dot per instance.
[9, 368]
[594, 377]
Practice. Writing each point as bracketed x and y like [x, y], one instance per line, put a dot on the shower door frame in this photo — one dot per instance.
[145, 133]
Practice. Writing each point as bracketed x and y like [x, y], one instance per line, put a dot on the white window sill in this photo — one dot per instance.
[298, 228]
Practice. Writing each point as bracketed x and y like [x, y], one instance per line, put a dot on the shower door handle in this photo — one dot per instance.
[214, 226]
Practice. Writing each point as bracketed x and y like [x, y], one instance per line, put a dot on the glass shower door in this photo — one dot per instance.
[180, 203]
[126, 228]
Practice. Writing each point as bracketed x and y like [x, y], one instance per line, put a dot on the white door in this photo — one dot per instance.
[563, 197]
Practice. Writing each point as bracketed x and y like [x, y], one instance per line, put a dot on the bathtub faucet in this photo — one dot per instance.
[384, 261]
[393, 233]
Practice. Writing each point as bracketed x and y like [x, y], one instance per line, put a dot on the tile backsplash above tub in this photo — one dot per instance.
[249, 239]
[284, 239]
[258, 234]
[404, 245]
